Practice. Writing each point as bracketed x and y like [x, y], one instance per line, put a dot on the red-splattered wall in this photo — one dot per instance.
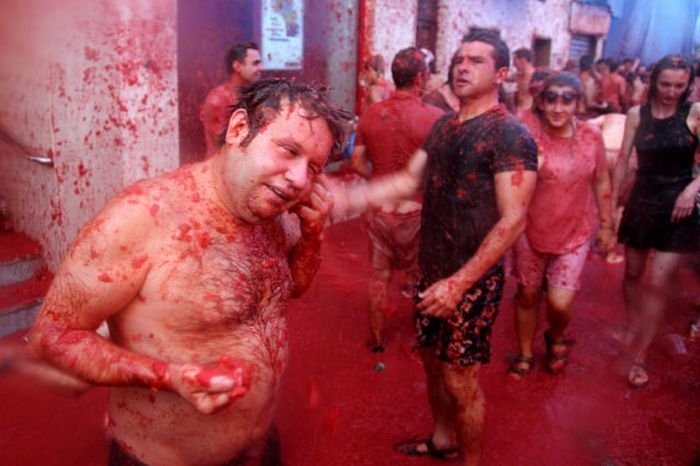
[208, 28]
[92, 84]
[391, 25]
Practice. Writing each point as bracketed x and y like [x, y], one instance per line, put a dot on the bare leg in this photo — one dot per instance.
[441, 403]
[527, 302]
[378, 285]
[462, 383]
[559, 315]
[559, 312]
[635, 263]
[661, 269]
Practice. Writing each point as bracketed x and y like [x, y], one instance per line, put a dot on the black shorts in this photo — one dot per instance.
[465, 337]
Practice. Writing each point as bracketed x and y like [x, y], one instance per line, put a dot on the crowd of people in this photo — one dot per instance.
[192, 270]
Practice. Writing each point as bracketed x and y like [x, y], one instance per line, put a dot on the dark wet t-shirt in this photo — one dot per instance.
[459, 207]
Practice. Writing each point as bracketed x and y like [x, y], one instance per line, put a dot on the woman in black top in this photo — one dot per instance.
[660, 213]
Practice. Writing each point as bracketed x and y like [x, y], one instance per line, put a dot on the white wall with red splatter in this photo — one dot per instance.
[391, 25]
[92, 84]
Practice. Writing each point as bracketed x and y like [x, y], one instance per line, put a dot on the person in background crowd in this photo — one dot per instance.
[372, 81]
[522, 61]
[244, 66]
[660, 221]
[443, 97]
[389, 132]
[573, 183]
[591, 104]
[434, 79]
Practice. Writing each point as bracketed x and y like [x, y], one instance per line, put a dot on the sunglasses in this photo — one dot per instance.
[567, 97]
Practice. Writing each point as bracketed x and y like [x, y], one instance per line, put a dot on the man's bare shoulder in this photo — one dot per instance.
[138, 212]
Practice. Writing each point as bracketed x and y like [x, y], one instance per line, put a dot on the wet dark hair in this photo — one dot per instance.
[406, 66]
[612, 64]
[375, 62]
[263, 99]
[501, 53]
[238, 53]
[523, 53]
[557, 78]
[585, 62]
[539, 76]
[671, 62]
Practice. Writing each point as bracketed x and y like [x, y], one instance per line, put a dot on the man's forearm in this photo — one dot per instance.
[491, 250]
[92, 358]
[305, 259]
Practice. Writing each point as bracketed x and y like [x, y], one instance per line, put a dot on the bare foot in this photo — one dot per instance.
[614, 258]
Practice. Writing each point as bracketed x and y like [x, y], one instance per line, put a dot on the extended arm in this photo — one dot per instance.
[622, 165]
[685, 202]
[602, 190]
[354, 199]
[513, 192]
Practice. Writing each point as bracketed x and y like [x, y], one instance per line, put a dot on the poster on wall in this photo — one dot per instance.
[282, 34]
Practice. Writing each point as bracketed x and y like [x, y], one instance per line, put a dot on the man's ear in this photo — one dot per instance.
[235, 67]
[501, 75]
[237, 129]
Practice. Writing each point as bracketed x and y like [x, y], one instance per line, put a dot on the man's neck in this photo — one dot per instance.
[235, 82]
[473, 107]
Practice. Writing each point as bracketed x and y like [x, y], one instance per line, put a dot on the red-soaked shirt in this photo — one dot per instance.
[215, 113]
[392, 130]
[562, 213]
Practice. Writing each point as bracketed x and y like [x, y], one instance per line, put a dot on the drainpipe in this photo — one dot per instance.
[362, 50]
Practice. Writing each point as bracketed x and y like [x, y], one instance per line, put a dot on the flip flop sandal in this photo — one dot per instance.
[556, 361]
[517, 371]
[637, 376]
[413, 448]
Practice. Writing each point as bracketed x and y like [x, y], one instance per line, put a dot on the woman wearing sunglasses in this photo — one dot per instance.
[660, 221]
[572, 179]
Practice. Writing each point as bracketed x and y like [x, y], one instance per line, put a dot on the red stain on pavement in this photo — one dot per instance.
[339, 405]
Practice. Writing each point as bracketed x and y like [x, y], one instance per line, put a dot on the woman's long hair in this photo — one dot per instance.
[671, 62]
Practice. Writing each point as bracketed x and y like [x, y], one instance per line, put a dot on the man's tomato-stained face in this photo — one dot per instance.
[251, 68]
[279, 165]
[475, 71]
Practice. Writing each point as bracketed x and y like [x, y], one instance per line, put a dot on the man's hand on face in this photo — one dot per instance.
[211, 388]
[314, 209]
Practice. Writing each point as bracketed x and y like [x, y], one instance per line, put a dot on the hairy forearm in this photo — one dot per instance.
[94, 359]
[492, 249]
[356, 198]
[304, 261]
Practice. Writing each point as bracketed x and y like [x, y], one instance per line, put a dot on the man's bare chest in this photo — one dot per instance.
[212, 278]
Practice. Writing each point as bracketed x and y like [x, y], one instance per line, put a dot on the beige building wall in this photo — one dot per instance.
[92, 84]
[392, 25]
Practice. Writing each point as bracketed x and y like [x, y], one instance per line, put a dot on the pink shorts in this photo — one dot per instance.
[393, 239]
[562, 270]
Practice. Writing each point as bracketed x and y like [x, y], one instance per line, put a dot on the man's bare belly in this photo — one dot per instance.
[163, 428]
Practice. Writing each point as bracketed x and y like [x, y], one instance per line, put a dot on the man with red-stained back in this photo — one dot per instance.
[192, 271]
[388, 134]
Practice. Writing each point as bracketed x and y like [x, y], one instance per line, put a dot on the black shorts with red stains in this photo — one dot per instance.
[465, 337]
